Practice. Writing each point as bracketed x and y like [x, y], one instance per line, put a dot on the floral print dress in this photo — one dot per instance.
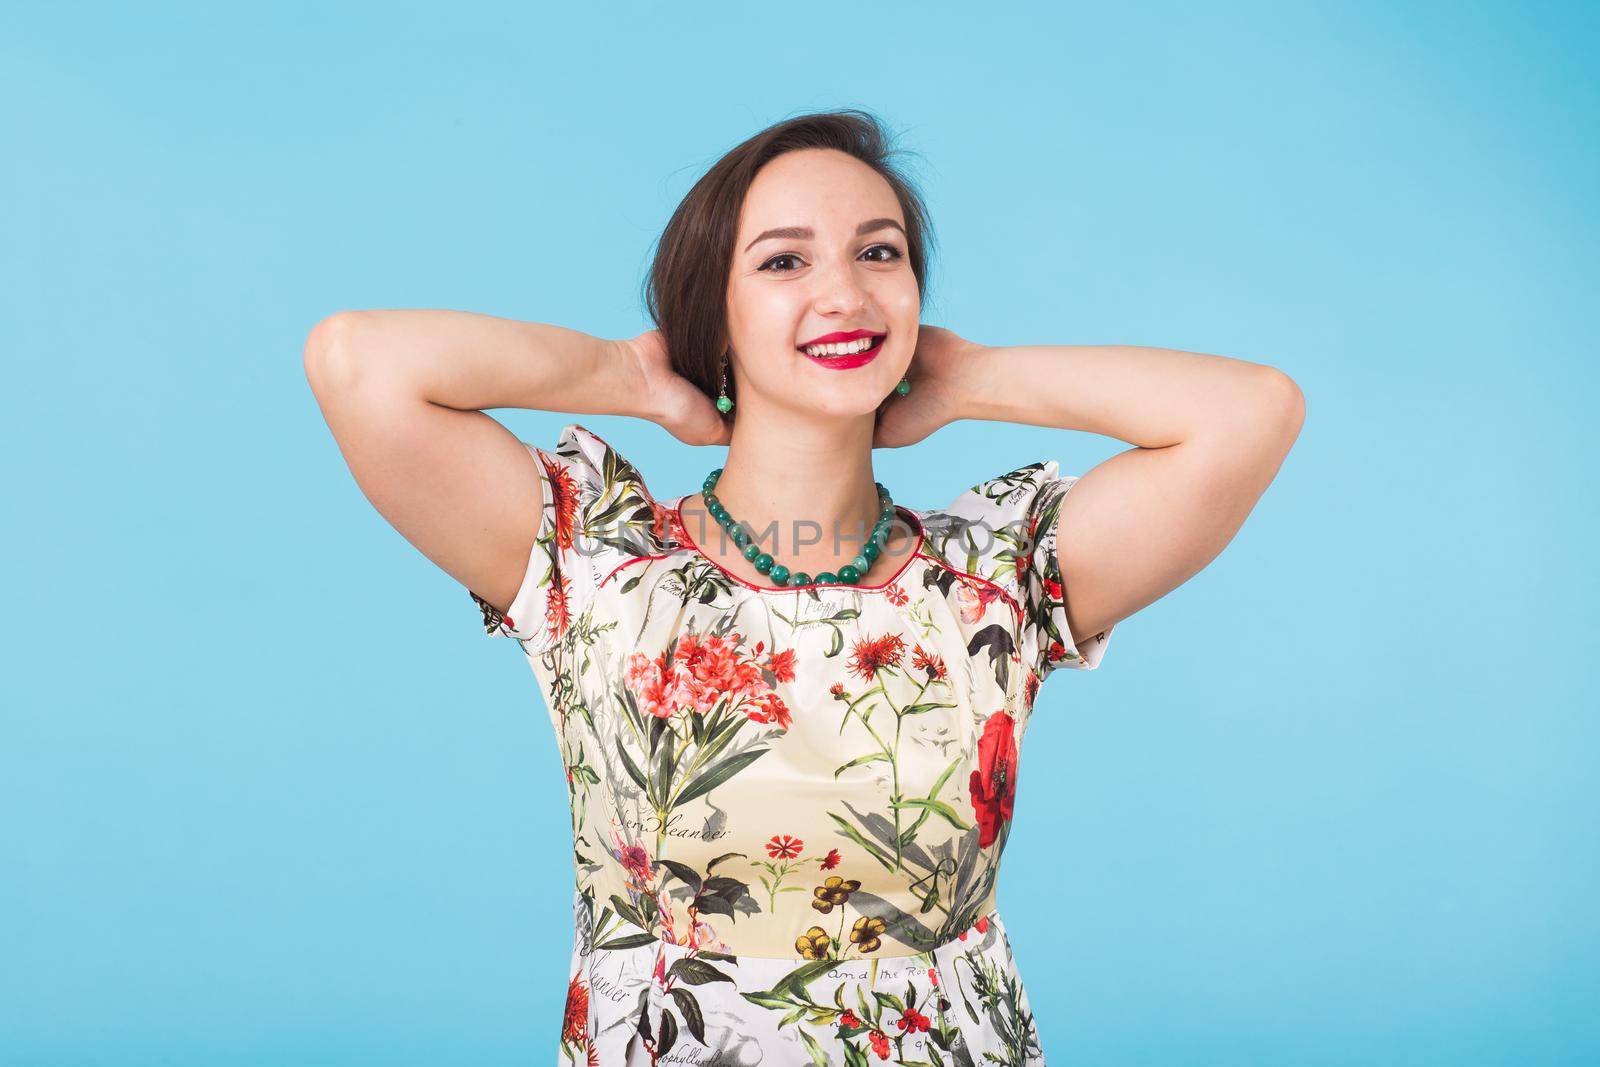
[789, 805]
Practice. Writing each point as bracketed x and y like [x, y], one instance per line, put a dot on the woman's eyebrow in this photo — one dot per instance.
[806, 233]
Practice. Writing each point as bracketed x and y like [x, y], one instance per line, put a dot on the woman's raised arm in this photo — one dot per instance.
[1211, 431]
[403, 393]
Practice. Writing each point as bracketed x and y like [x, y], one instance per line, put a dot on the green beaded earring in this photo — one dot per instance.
[724, 403]
[904, 387]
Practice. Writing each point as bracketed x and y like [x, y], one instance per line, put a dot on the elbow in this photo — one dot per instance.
[1282, 406]
[1266, 412]
[329, 355]
[1278, 400]
[1292, 401]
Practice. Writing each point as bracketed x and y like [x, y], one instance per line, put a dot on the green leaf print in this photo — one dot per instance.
[667, 1036]
[938, 807]
[922, 707]
[767, 1000]
[794, 983]
[870, 757]
[818, 1056]
[696, 972]
[718, 774]
[628, 911]
[693, 1018]
[683, 873]
[871, 849]
[633, 769]
[725, 896]
[666, 762]
[629, 941]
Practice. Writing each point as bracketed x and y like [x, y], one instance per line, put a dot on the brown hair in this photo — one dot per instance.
[687, 291]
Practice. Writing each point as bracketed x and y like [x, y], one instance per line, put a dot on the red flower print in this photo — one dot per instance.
[557, 608]
[1030, 689]
[695, 672]
[974, 597]
[634, 859]
[982, 926]
[781, 664]
[717, 665]
[661, 525]
[895, 595]
[923, 660]
[659, 687]
[912, 1020]
[575, 1022]
[564, 498]
[837, 689]
[870, 657]
[1052, 590]
[849, 1019]
[784, 847]
[831, 860]
[994, 782]
[933, 976]
[880, 1043]
[768, 707]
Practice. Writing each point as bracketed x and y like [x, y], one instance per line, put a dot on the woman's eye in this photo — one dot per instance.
[894, 254]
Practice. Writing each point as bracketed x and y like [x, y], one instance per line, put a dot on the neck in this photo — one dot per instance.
[804, 487]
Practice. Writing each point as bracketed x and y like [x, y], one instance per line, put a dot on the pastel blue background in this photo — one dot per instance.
[270, 795]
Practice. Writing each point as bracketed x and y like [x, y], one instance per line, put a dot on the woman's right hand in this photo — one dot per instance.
[670, 400]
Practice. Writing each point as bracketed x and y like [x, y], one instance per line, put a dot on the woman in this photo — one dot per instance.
[792, 750]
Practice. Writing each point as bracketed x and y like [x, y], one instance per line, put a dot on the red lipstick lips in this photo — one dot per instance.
[854, 359]
[838, 338]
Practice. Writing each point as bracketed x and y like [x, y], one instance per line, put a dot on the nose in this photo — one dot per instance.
[840, 290]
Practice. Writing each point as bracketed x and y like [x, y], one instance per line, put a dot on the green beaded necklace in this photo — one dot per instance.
[850, 574]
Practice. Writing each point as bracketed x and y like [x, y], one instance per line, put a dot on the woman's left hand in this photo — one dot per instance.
[935, 398]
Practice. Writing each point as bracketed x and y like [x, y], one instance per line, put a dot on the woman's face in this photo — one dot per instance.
[789, 288]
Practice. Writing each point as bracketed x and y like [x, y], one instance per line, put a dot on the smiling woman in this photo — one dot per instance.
[734, 271]
[789, 801]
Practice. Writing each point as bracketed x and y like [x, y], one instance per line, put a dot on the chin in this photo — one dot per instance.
[856, 405]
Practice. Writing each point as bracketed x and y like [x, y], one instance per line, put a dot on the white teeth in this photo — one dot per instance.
[858, 345]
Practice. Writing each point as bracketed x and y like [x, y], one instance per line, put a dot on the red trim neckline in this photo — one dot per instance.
[688, 542]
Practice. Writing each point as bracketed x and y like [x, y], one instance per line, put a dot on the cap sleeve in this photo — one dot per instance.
[1001, 534]
[1046, 637]
[582, 479]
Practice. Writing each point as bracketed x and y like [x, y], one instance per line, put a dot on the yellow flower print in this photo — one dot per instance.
[865, 932]
[813, 944]
[835, 891]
